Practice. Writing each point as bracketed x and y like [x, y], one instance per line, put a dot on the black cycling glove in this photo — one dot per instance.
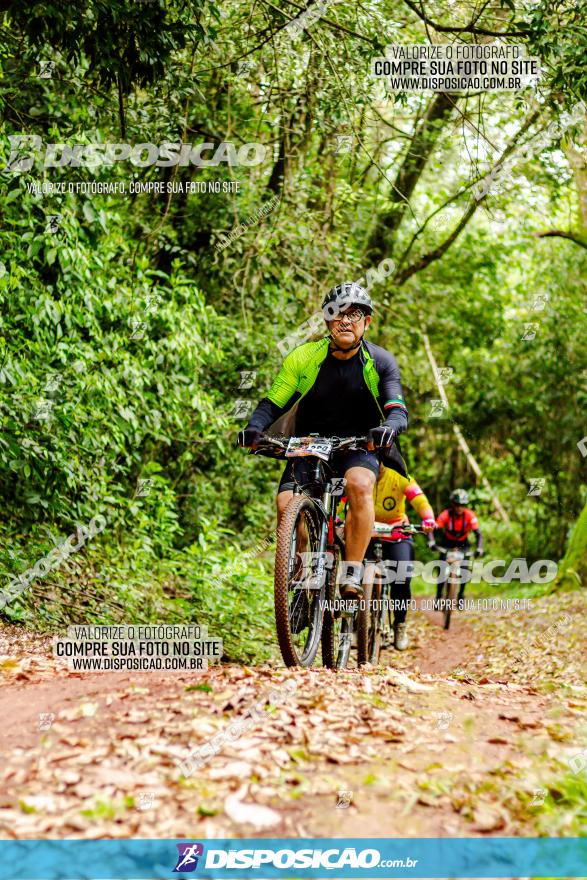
[382, 437]
[248, 437]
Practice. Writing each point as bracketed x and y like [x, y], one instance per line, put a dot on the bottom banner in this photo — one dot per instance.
[287, 857]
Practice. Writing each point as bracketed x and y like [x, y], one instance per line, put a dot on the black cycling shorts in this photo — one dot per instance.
[301, 470]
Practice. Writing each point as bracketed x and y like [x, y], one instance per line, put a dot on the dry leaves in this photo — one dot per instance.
[117, 738]
[243, 813]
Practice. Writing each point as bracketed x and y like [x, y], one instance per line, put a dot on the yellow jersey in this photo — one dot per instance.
[390, 494]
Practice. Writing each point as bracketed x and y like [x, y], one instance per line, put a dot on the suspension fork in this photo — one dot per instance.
[327, 511]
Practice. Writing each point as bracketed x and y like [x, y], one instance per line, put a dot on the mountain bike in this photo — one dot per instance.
[377, 625]
[452, 584]
[308, 552]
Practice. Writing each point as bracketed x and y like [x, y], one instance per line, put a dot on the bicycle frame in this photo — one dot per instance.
[317, 495]
[454, 559]
[325, 505]
[407, 530]
[326, 508]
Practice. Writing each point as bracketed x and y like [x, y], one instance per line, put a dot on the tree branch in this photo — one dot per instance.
[355, 132]
[401, 277]
[422, 144]
[470, 28]
[328, 21]
[560, 233]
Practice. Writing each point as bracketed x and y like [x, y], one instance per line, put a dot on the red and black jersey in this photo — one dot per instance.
[457, 527]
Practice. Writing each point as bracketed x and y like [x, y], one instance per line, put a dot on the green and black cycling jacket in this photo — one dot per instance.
[299, 372]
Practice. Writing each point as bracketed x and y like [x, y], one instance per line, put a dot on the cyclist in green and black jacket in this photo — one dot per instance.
[340, 386]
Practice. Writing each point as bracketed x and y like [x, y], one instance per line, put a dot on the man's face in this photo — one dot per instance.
[348, 326]
[458, 509]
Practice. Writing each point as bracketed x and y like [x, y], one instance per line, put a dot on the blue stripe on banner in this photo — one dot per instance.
[318, 857]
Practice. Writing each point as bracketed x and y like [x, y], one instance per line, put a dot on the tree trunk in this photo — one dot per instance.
[423, 142]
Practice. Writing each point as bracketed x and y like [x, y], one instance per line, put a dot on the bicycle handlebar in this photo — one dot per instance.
[444, 551]
[409, 529]
[266, 441]
[406, 528]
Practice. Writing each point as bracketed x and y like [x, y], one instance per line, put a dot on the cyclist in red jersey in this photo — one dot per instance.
[455, 524]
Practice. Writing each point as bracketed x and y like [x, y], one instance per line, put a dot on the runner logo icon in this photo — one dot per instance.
[187, 859]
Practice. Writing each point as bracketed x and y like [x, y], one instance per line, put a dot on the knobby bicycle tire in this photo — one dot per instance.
[285, 534]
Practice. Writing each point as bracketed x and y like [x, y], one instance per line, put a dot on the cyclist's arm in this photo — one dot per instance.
[476, 529]
[432, 536]
[418, 500]
[264, 415]
[441, 522]
[279, 397]
[391, 395]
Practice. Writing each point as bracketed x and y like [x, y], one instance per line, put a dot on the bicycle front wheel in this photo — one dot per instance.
[451, 592]
[299, 601]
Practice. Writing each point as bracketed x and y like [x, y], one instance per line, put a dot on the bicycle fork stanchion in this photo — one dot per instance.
[321, 562]
[345, 641]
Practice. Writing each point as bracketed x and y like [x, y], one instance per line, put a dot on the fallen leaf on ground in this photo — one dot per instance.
[232, 770]
[403, 680]
[243, 813]
[487, 819]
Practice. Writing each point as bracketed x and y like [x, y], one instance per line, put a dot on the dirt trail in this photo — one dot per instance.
[451, 738]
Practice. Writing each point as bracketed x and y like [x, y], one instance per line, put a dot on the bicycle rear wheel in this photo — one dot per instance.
[298, 601]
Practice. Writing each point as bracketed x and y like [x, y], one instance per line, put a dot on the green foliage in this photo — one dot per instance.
[557, 32]
[573, 569]
[102, 415]
[135, 40]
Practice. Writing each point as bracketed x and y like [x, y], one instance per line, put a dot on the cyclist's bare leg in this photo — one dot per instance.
[359, 521]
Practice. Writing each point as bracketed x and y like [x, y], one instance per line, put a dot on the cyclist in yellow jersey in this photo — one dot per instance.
[389, 495]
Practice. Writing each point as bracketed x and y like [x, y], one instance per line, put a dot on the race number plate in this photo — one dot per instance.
[300, 446]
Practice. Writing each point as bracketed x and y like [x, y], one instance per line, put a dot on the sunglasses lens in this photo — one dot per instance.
[351, 317]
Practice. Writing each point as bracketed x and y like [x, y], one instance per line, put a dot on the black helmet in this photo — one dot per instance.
[460, 497]
[344, 295]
